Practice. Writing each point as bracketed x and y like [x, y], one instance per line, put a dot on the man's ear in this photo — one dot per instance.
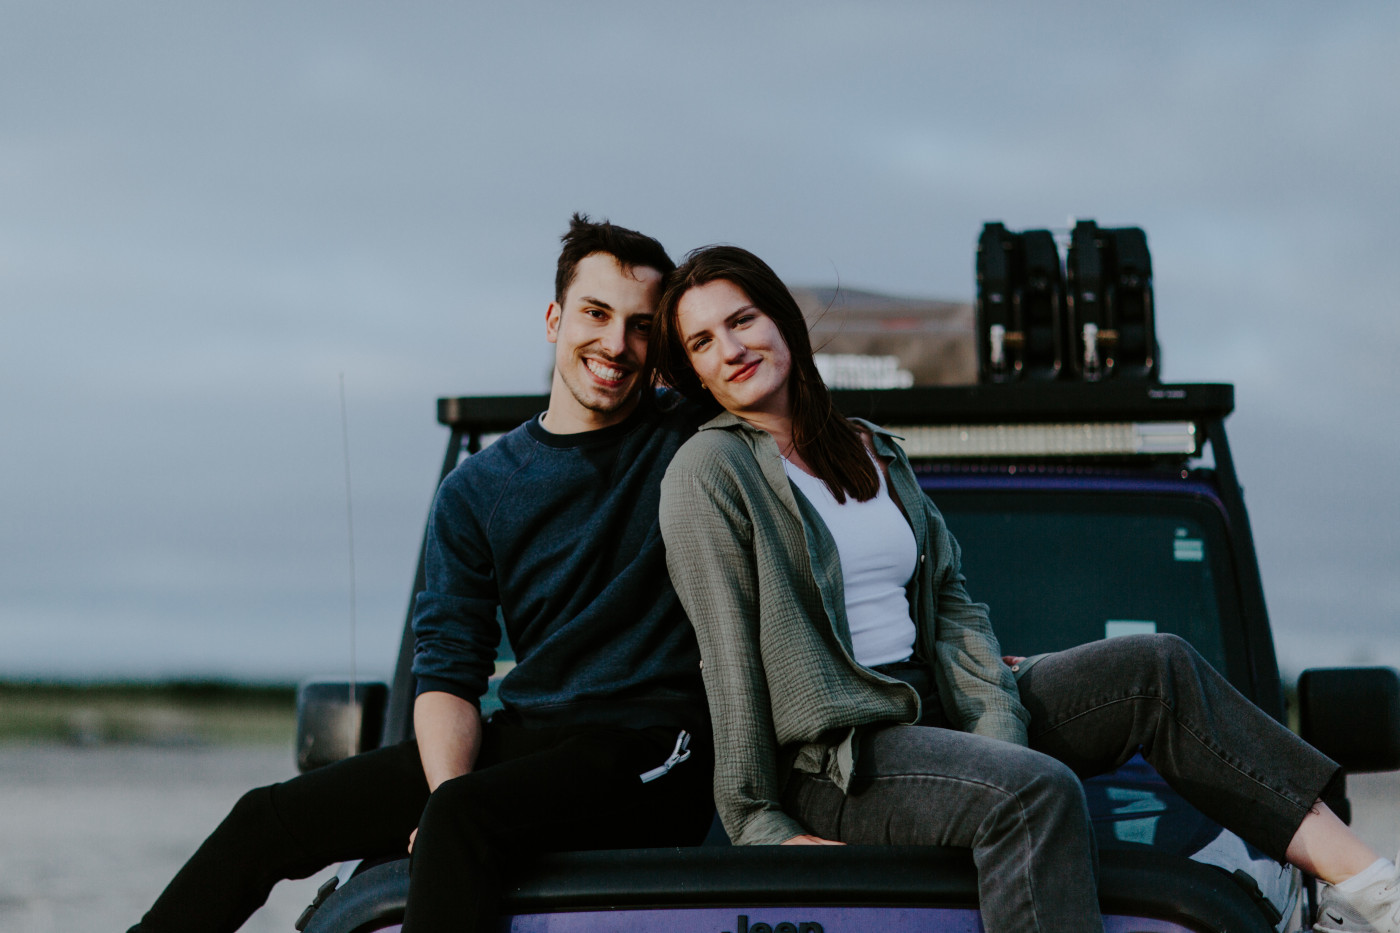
[551, 321]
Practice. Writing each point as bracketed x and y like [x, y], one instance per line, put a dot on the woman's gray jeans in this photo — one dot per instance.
[1022, 811]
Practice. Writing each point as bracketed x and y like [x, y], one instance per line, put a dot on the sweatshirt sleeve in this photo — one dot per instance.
[969, 665]
[454, 617]
[709, 553]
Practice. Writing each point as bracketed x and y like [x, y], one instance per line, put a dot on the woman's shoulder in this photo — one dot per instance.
[884, 442]
[715, 469]
[875, 432]
[713, 448]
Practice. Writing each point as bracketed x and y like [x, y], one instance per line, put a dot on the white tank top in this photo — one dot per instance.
[878, 554]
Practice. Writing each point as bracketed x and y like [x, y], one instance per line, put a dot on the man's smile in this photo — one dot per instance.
[605, 371]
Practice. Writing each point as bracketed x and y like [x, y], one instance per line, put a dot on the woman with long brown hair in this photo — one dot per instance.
[859, 695]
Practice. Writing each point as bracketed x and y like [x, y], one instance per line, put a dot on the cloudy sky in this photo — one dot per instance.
[210, 211]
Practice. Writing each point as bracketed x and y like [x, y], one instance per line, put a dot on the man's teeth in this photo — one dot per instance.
[604, 372]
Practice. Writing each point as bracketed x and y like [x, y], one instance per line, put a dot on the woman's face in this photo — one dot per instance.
[736, 350]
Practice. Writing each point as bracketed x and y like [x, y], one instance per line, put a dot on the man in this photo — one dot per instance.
[554, 524]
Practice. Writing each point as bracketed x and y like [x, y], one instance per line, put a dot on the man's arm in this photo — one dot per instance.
[449, 739]
[449, 735]
[456, 633]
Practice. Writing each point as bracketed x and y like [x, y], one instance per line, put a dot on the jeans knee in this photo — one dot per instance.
[1163, 652]
[1062, 782]
[1050, 785]
[1173, 649]
[1175, 659]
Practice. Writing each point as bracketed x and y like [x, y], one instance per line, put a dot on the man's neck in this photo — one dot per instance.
[566, 416]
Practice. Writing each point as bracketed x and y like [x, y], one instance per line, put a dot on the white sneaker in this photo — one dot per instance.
[1373, 909]
[1336, 915]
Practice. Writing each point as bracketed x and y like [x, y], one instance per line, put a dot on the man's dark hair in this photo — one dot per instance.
[628, 247]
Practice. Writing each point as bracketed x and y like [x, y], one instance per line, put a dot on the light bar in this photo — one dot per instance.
[1085, 439]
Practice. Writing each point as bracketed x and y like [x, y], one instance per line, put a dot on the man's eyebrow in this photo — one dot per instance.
[595, 302]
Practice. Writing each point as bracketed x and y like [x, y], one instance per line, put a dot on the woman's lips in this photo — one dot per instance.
[745, 372]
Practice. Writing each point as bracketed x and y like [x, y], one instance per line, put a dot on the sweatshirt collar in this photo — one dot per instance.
[639, 415]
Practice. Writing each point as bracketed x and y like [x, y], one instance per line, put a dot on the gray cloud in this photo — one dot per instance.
[208, 212]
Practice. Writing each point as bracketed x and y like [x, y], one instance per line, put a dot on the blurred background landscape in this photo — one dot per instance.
[210, 214]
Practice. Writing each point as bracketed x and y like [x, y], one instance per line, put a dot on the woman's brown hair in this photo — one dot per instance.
[831, 445]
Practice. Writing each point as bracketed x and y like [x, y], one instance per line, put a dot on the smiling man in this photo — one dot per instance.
[603, 741]
[557, 524]
[598, 322]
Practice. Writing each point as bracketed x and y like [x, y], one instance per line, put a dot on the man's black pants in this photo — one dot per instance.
[533, 790]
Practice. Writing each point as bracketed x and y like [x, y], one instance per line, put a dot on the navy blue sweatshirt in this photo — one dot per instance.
[560, 531]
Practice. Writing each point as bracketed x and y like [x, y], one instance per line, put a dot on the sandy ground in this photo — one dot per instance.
[89, 836]
[1375, 801]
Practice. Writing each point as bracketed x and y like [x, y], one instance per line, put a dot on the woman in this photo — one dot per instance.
[826, 593]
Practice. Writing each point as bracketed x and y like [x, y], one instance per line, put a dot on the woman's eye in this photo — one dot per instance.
[699, 345]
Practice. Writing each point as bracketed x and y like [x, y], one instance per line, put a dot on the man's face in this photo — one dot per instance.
[600, 341]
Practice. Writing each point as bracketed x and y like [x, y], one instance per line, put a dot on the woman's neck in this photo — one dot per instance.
[779, 427]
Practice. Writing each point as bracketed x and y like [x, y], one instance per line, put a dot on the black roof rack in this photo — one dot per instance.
[1039, 402]
[489, 413]
[972, 404]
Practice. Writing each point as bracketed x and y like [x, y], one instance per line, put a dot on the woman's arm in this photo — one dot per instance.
[704, 520]
[976, 687]
[969, 661]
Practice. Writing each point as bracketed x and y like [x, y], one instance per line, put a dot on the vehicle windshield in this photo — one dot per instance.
[1062, 569]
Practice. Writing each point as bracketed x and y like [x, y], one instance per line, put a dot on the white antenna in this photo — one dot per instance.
[352, 721]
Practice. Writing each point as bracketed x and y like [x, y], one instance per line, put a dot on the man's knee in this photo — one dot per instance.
[254, 814]
[253, 833]
[453, 797]
[458, 816]
[459, 807]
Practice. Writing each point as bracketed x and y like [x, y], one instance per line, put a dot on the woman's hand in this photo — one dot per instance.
[1011, 660]
[807, 839]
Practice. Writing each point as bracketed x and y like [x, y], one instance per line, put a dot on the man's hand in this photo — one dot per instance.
[1012, 660]
[807, 839]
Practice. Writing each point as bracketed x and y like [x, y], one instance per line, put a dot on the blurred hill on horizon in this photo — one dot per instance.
[172, 713]
[921, 341]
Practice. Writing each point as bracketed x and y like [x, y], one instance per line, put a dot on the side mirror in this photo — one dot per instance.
[1352, 715]
[330, 726]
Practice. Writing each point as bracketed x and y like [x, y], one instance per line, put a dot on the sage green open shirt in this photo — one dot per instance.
[760, 578]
